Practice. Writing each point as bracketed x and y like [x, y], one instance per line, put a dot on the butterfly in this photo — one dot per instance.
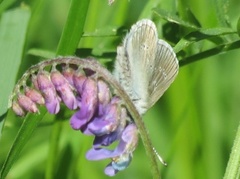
[145, 66]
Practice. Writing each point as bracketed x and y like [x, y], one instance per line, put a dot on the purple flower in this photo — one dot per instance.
[88, 101]
[99, 111]
[108, 139]
[108, 121]
[122, 155]
[64, 89]
[52, 101]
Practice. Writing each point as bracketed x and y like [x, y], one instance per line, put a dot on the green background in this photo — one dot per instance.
[192, 126]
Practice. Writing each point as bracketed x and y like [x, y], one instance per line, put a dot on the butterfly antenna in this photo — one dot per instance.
[159, 157]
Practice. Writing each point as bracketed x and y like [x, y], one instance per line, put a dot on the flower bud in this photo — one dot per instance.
[104, 96]
[34, 95]
[52, 101]
[68, 74]
[27, 104]
[78, 81]
[64, 89]
[17, 109]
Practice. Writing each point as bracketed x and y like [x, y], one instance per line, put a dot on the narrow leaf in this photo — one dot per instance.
[238, 27]
[13, 29]
[233, 167]
[73, 28]
[203, 34]
[174, 18]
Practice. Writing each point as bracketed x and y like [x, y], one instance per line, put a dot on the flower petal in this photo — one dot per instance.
[106, 123]
[89, 103]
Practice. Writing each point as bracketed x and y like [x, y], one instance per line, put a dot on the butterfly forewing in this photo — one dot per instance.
[140, 46]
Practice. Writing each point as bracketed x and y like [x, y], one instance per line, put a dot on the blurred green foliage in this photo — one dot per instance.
[193, 125]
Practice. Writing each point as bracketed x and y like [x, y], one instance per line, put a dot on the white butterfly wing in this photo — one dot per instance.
[164, 71]
[142, 66]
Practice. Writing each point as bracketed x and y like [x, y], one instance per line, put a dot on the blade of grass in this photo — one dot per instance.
[13, 29]
[233, 167]
[73, 28]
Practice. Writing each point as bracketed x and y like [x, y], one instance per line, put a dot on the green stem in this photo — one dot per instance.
[233, 167]
[53, 150]
[210, 52]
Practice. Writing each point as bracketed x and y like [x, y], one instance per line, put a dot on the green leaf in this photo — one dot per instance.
[41, 53]
[213, 34]
[221, 7]
[13, 30]
[174, 19]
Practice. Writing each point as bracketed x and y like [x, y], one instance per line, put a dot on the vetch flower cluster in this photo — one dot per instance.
[81, 86]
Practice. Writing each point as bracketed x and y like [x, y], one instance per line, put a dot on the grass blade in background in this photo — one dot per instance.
[233, 167]
[73, 29]
[13, 29]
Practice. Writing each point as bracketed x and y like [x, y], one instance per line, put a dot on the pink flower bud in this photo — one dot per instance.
[17, 109]
[27, 104]
[34, 95]
[68, 74]
[52, 101]
[64, 89]
[78, 81]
